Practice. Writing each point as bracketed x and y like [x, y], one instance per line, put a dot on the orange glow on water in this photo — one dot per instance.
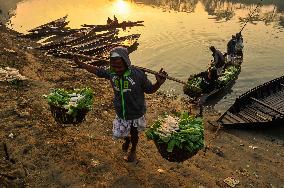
[121, 7]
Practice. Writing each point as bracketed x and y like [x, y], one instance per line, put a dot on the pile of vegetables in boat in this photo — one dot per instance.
[228, 74]
[70, 106]
[196, 85]
[177, 137]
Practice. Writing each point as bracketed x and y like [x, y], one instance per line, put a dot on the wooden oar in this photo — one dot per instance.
[141, 68]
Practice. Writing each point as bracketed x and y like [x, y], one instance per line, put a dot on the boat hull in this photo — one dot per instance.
[260, 106]
[219, 90]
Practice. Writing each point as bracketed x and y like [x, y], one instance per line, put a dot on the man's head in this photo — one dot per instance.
[119, 60]
[233, 36]
[238, 35]
[118, 65]
[212, 48]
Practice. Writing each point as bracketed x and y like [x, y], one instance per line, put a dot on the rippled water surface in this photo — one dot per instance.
[177, 33]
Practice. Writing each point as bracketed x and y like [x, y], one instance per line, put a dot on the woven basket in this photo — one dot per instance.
[60, 115]
[177, 155]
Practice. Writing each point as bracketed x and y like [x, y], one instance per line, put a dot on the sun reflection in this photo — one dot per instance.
[121, 7]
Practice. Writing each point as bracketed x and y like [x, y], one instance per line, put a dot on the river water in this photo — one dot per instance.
[177, 33]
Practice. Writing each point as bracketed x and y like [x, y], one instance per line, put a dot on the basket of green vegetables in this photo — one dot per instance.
[177, 137]
[70, 106]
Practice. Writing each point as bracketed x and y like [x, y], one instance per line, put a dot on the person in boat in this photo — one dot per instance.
[109, 21]
[115, 20]
[123, 25]
[231, 49]
[218, 60]
[129, 85]
[239, 44]
[209, 79]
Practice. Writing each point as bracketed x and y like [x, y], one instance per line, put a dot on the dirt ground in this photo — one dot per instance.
[35, 151]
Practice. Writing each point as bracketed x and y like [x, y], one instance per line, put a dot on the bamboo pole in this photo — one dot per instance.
[250, 15]
[157, 73]
[141, 68]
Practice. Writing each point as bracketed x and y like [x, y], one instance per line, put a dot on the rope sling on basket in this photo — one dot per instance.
[177, 137]
[70, 107]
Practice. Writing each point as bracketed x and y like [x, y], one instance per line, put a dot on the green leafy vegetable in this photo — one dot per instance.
[181, 130]
[193, 87]
[195, 84]
[229, 74]
[72, 100]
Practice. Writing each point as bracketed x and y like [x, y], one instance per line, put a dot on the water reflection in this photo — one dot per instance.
[172, 5]
[6, 9]
[225, 10]
[267, 16]
[220, 10]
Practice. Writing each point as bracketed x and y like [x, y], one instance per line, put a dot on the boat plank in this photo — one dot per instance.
[235, 117]
[273, 98]
[253, 114]
[226, 121]
[266, 105]
[264, 109]
[246, 117]
[261, 114]
[230, 119]
[279, 104]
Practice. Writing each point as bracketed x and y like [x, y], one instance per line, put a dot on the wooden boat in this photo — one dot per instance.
[205, 93]
[122, 25]
[130, 42]
[262, 105]
[56, 27]
[95, 41]
[73, 41]
[99, 48]
[58, 23]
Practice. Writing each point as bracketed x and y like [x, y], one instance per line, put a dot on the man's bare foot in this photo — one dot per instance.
[131, 156]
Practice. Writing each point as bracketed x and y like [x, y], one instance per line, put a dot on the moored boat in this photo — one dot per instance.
[262, 105]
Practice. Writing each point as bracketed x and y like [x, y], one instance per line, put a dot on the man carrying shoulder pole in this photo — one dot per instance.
[129, 85]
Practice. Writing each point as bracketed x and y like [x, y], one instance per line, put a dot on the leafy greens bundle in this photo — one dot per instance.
[194, 85]
[182, 130]
[72, 101]
[227, 75]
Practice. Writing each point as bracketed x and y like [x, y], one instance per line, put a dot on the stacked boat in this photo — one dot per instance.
[90, 40]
